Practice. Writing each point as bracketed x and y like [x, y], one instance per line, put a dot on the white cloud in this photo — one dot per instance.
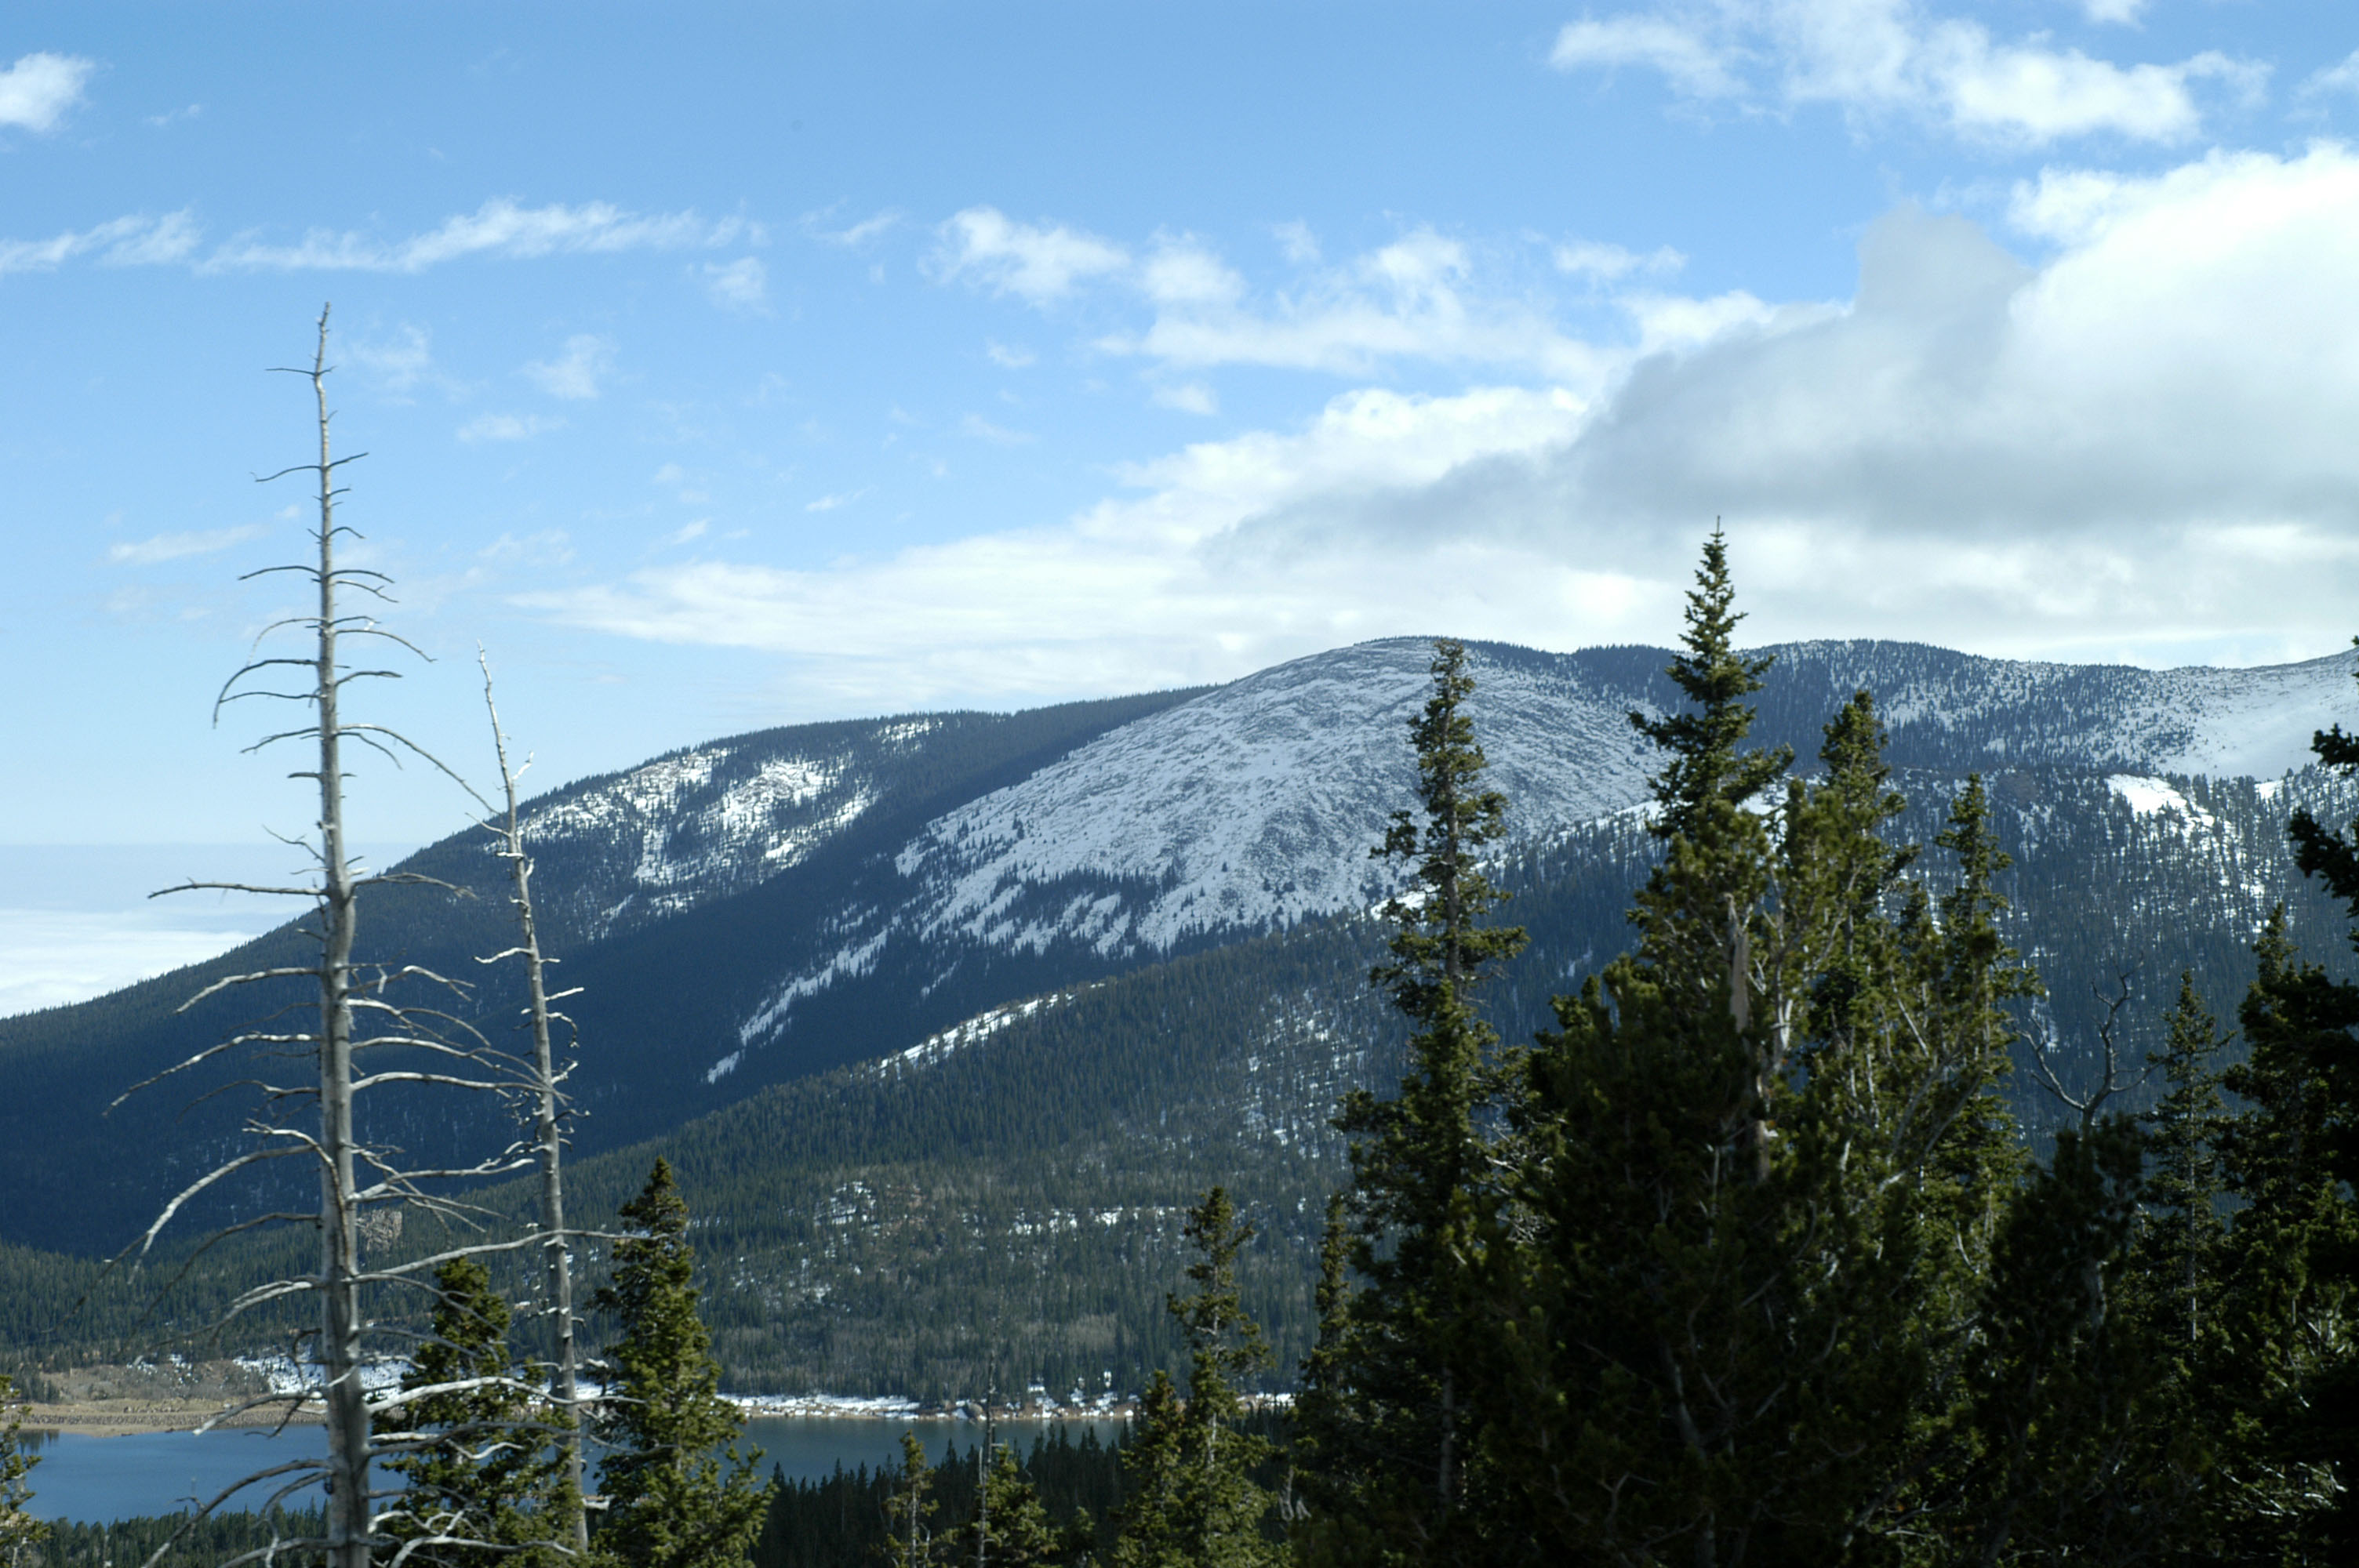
[860, 233]
[499, 228]
[2124, 13]
[2338, 78]
[549, 547]
[1138, 590]
[983, 429]
[135, 240]
[689, 531]
[1188, 398]
[1182, 272]
[1409, 299]
[399, 364]
[741, 284]
[1874, 57]
[1296, 242]
[1694, 65]
[588, 359]
[507, 427]
[1009, 356]
[37, 90]
[2140, 449]
[1033, 263]
[158, 547]
[830, 502]
[1611, 263]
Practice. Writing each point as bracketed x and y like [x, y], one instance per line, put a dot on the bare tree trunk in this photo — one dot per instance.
[547, 1133]
[339, 1267]
[355, 1018]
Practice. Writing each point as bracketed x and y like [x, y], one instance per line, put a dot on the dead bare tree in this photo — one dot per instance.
[358, 1037]
[2110, 1082]
[550, 1110]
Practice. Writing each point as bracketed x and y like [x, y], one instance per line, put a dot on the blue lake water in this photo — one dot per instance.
[106, 1478]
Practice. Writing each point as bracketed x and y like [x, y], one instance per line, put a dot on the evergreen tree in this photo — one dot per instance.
[19, 1530]
[2317, 1042]
[1388, 1462]
[669, 1504]
[2072, 1408]
[1011, 1528]
[1705, 763]
[2179, 1249]
[909, 1512]
[475, 1451]
[1193, 1501]
[2285, 1373]
[1729, 1332]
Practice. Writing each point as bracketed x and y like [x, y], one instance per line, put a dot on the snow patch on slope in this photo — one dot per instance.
[973, 1030]
[2152, 797]
[849, 962]
[1255, 806]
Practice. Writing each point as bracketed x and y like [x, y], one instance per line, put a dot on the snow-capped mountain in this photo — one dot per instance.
[1253, 807]
[758, 909]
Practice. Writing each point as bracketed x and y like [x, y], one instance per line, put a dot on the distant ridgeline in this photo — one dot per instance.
[943, 1019]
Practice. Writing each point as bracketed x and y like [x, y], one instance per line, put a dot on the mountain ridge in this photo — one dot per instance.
[760, 908]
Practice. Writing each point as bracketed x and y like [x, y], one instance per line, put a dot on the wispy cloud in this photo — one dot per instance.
[1413, 299]
[1890, 57]
[135, 240]
[37, 90]
[983, 429]
[399, 362]
[1035, 263]
[1009, 356]
[830, 502]
[550, 546]
[507, 427]
[159, 547]
[741, 284]
[499, 230]
[2343, 77]
[860, 233]
[1602, 263]
[576, 373]
[500, 227]
[1188, 398]
[1692, 62]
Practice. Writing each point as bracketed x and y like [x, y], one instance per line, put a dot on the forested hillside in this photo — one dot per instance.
[1010, 1189]
[747, 913]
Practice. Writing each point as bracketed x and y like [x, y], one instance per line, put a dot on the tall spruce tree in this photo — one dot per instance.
[475, 1449]
[1386, 1435]
[1193, 1502]
[2288, 1305]
[670, 1502]
[910, 1509]
[1728, 1332]
[2180, 1248]
[1011, 1528]
[2070, 1398]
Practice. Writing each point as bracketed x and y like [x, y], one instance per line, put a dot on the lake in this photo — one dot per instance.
[106, 1479]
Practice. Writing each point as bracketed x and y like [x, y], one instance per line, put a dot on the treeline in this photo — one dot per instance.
[209, 1542]
[1746, 1260]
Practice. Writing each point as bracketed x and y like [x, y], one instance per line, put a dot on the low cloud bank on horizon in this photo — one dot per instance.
[2138, 447]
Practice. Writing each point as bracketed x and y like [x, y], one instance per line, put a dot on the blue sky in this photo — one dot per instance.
[730, 366]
